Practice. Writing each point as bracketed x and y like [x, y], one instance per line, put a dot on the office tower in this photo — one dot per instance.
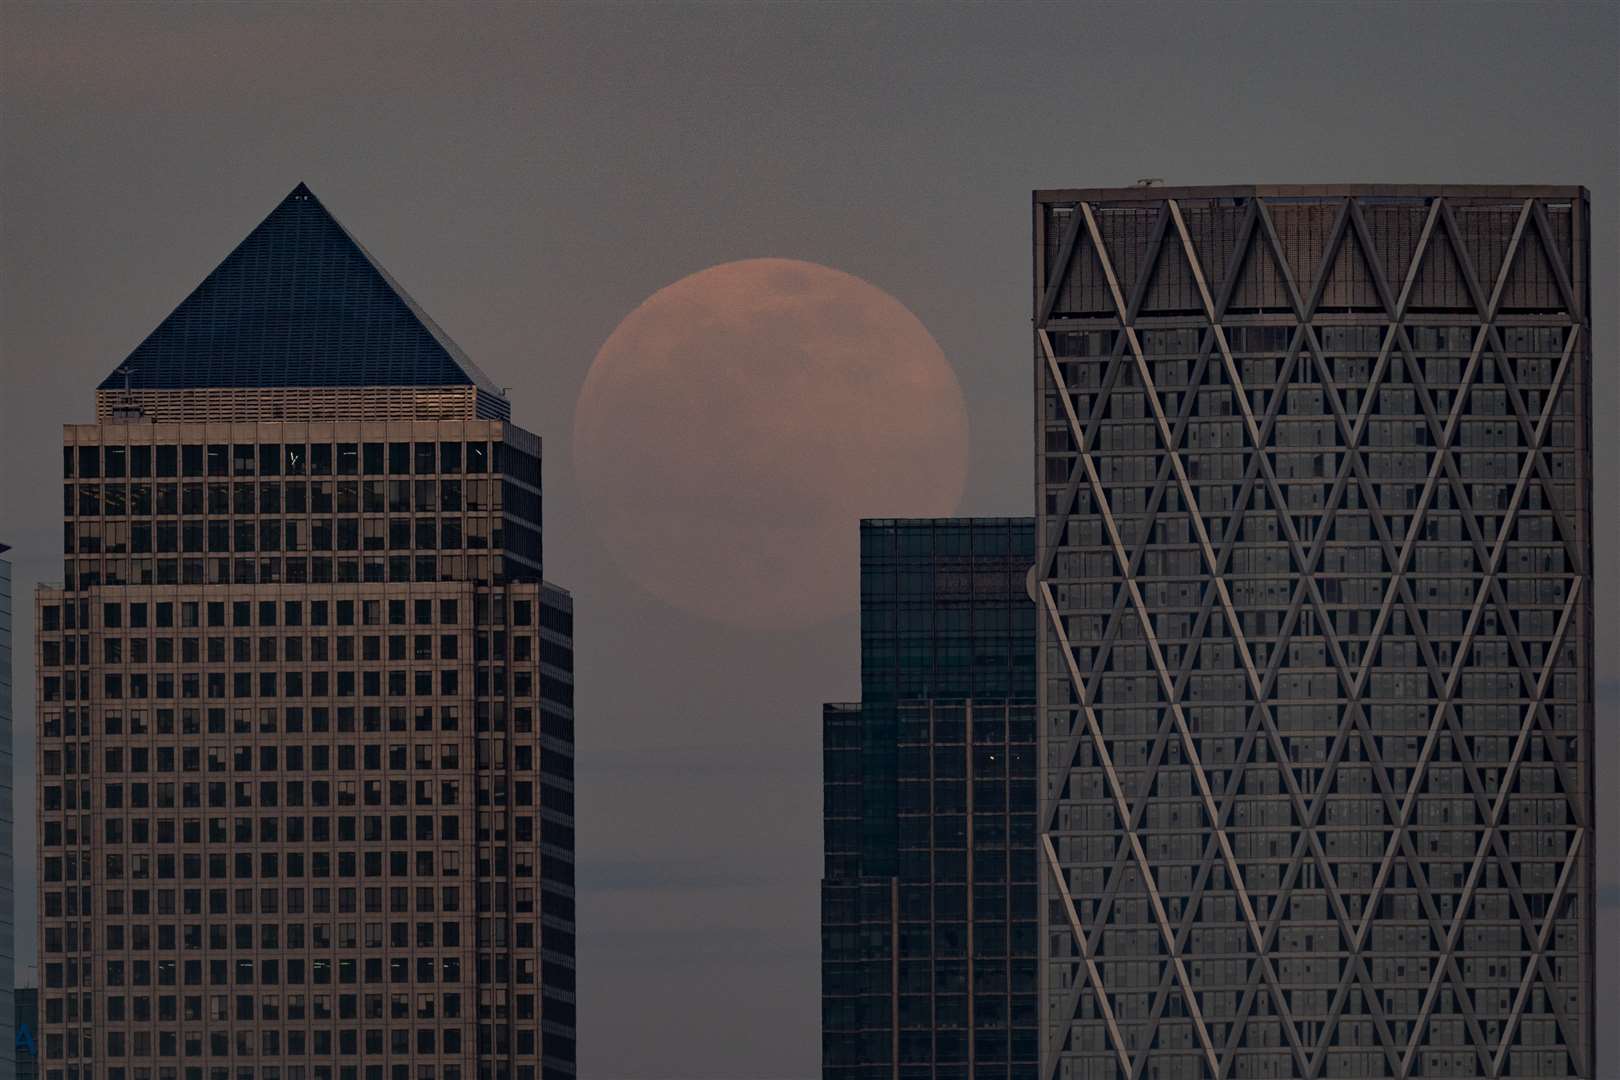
[8, 901]
[928, 894]
[1314, 490]
[305, 703]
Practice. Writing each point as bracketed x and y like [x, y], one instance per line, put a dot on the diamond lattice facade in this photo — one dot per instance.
[1314, 490]
[305, 705]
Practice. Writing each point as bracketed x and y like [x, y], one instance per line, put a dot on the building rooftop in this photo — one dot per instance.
[299, 303]
[1155, 192]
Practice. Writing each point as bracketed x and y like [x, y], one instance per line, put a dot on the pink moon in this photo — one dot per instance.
[738, 424]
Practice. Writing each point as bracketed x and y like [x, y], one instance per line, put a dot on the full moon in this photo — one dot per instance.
[736, 427]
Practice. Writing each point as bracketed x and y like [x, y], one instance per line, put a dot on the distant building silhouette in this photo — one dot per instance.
[25, 1017]
[1315, 567]
[8, 818]
[928, 894]
[304, 702]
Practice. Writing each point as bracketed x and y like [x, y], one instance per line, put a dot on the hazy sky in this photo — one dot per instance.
[531, 173]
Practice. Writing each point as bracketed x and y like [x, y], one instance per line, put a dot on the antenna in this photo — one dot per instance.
[128, 410]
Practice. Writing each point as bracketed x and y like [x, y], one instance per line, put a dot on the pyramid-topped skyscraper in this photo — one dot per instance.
[300, 305]
[305, 726]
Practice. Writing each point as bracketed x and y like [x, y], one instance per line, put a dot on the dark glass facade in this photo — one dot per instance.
[1314, 490]
[558, 1004]
[945, 613]
[25, 1012]
[928, 899]
[8, 904]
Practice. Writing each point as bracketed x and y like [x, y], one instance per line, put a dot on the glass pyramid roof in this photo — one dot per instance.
[298, 303]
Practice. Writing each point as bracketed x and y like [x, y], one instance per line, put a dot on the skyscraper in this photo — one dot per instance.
[1314, 489]
[928, 894]
[304, 701]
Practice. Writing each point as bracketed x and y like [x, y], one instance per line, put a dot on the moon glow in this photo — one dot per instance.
[736, 426]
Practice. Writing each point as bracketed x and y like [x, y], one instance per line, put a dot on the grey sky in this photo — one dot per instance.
[531, 173]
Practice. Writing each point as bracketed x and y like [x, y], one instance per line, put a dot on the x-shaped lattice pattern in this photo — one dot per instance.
[1459, 943]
